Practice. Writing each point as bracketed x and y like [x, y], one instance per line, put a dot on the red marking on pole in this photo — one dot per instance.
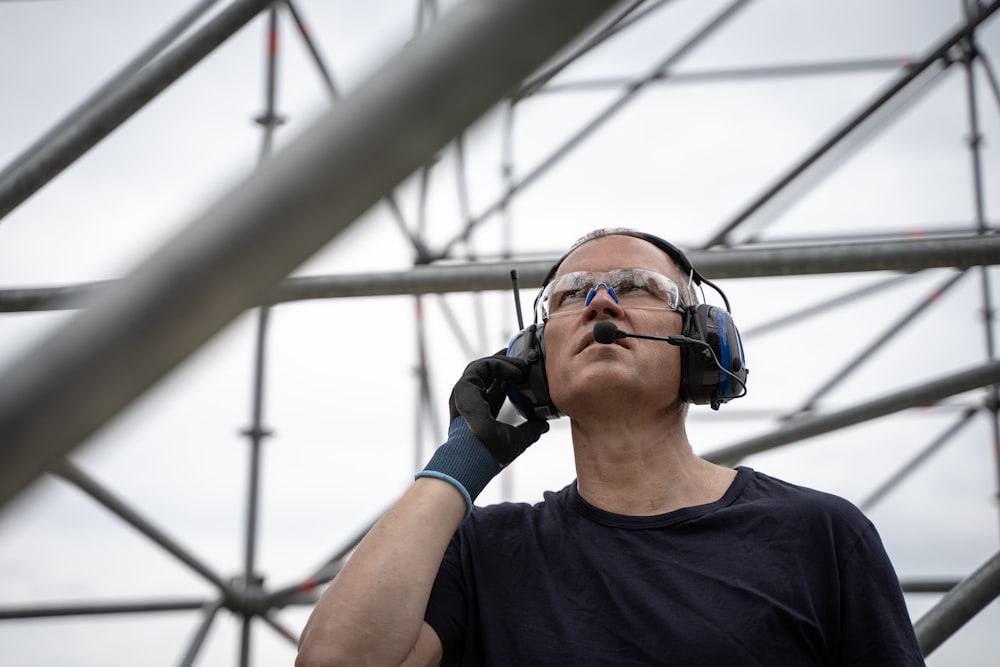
[272, 42]
[307, 585]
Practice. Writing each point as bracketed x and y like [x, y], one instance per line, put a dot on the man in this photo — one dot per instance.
[652, 556]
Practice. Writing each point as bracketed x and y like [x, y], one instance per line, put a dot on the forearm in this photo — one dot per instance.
[373, 610]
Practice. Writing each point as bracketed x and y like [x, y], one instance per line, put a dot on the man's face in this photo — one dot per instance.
[584, 375]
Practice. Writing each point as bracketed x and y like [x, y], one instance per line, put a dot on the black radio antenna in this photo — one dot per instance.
[517, 300]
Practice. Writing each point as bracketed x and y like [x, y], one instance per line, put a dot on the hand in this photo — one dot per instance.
[477, 398]
[478, 446]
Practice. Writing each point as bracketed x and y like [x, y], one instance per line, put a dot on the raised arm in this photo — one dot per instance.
[372, 613]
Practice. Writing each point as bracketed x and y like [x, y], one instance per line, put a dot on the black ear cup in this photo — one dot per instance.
[531, 398]
[708, 380]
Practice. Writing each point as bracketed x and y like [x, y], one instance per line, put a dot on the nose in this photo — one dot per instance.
[593, 292]
[603, 302]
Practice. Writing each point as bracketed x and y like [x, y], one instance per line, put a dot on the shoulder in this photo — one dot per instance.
[502, 518]
[551, 500]
[802, 506]
[763, 488]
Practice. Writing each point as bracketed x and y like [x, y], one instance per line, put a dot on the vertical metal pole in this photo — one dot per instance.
[423, 387]
[465, 214]
[970, 8]
[256, 433]
[506, 227]
[424, 398]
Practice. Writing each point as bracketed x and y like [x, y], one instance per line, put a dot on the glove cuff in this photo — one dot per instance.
[464, 461]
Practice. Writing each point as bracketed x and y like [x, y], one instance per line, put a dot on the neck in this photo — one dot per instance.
[643, 466]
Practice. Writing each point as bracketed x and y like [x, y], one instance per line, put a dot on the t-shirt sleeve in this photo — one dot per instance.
[446, 609]
[876, 626]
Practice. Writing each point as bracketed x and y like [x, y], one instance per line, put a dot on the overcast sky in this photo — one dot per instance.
[680, 160]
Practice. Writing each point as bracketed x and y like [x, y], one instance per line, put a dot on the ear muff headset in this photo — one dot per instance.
[531, 398]
[716, 372]
[713, 367]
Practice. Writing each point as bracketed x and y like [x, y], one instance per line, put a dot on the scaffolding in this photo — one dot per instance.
[380, 147]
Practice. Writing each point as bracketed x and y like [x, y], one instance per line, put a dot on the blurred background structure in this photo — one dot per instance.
[246, 247]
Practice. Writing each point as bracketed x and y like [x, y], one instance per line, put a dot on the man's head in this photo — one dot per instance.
[641, 284]
[584, 375]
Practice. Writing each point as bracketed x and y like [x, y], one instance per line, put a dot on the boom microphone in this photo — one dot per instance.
[607, 332]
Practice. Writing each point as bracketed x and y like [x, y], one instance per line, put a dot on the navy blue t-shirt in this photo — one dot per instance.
[772, 573]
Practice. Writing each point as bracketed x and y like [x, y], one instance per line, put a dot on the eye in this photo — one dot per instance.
[626, 286]
[627, 282]
[569, 295]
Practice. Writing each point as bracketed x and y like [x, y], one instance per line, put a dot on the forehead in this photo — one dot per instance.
[618, 252]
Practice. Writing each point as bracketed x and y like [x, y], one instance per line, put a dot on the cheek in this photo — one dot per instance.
[554, 350]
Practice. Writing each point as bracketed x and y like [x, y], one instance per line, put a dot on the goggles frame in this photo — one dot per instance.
[573, 292]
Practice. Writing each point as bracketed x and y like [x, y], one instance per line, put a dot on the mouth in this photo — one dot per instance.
[588, 341]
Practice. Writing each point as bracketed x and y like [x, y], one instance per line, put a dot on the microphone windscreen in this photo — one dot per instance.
[605, 332]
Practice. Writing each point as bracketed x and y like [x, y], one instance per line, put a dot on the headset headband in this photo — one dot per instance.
[669, 248]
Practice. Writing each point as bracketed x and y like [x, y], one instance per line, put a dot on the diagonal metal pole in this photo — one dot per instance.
[330, 569]
[991, 76]
[881, 340]
[958, 606]
[324, 71]
[231, 256]
[840, 300]
[614, 26]
[925, 393]
[111, 86]
[209, 612]
[918, 460]
[82, 132]
[91, 487]
[421, 251]
[676, 56]
[738, 74]
[283, 631]
[914, 81]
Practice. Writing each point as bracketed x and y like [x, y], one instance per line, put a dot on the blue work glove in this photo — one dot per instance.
[478, 446]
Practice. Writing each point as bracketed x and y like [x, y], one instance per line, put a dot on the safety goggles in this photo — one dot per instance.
[629, 288]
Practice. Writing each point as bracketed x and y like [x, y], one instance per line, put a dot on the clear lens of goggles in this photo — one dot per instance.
[630, 288]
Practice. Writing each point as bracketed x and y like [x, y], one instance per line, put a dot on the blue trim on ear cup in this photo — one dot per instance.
[725, 356]
[512, 393]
